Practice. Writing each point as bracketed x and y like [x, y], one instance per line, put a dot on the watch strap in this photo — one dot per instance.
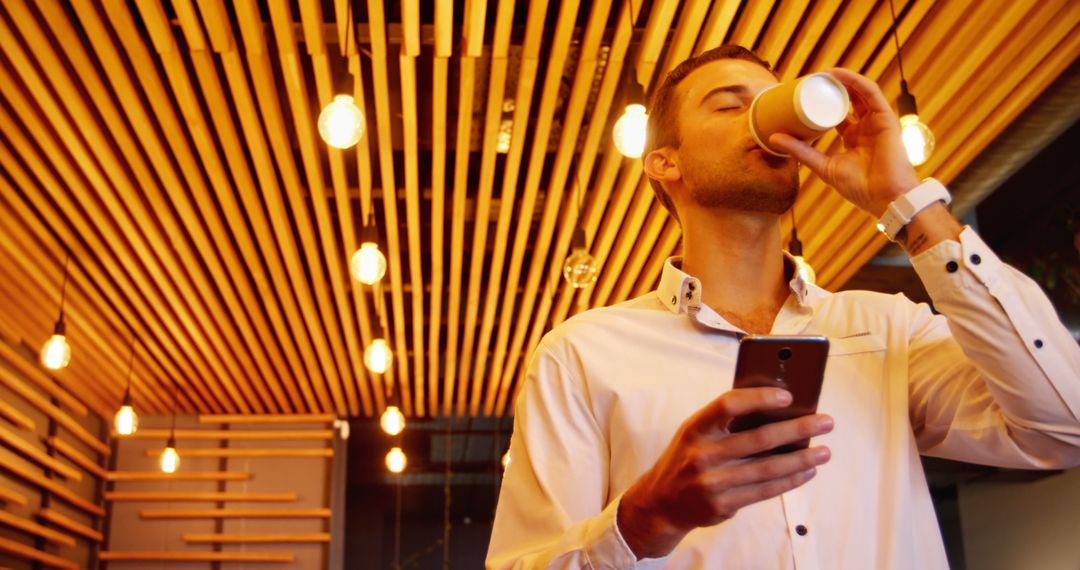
[903, 209]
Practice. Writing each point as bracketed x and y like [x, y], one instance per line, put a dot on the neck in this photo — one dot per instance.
[739, 259]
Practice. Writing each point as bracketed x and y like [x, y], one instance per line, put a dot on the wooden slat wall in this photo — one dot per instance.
[173, 149]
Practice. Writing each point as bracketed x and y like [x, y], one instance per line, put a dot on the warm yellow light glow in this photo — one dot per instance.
[368, 264]
[378, 357]
[56, 353]
[396, 460]
[506, 460]
[392, 420]
[170, 460]
[580, 269]
[918, 139]
[126, 422]
[341, 123]
[629, 131]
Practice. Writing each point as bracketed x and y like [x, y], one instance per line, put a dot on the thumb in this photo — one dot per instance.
[814, 159]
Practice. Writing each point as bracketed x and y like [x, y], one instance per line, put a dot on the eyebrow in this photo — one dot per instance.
[734, 89]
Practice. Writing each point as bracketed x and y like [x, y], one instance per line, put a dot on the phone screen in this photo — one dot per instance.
[794, 363]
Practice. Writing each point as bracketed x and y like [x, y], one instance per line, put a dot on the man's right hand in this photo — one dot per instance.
[706, 474]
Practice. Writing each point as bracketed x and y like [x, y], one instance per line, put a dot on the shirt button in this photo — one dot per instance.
[674, 299]
[975, 259]
[1038, 343]
[801, 530]
[951, 267]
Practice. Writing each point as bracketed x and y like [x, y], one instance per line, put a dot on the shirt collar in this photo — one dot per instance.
[680, 292]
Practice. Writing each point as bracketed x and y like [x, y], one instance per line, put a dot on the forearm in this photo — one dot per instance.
[928, 228]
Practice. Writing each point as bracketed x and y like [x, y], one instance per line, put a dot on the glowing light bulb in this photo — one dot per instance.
[126, 421]
[580, 268]
[170, 459]
[341, 123]
[56, 353]
[396, 460]
[392, 420]
[368, 264]
[918, 139]
[378, 357]
[506, 460]
[806, 271]
[629, 131]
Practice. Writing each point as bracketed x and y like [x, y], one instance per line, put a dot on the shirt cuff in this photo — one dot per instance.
[953, 265]
[607, 550]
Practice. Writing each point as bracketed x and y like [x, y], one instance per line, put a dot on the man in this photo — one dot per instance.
[621, 456]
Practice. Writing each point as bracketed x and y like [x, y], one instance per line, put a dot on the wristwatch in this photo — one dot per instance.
[902, 209]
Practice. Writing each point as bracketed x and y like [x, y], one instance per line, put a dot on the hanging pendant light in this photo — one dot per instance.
[917, 137]
[126, 421]
[341, 122]
[368, 264]
[170, 458]
[506, 460]
[580, 269]
[56, 352]
[396, 461]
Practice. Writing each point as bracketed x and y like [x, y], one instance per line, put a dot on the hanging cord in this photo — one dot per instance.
[896, 40]
[63, 284]
[131, 368]
[794, 228]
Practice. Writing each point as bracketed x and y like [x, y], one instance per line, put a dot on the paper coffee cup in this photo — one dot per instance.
[804, 108]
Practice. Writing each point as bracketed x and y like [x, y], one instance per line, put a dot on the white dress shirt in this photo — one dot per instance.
[996, 382]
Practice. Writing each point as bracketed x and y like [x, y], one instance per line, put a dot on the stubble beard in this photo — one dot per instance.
[768, 187]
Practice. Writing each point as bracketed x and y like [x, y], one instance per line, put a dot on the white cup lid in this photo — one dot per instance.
[821, 101]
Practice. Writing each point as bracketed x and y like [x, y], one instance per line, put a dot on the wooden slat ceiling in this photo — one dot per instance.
[172, 146]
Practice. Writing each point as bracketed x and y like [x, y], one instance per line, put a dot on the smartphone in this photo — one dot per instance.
[794, 363]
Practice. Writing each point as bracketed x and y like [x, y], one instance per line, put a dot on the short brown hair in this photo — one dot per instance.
[662, 128]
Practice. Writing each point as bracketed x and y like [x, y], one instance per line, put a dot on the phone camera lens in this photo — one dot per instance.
[785, 353]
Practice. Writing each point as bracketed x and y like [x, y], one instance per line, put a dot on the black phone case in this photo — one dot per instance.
[795, 363]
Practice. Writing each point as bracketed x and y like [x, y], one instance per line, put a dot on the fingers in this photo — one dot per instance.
[864, 90]
[770, 468]
[739, 497]
[770, 436]
[719, 413]
[806, 154]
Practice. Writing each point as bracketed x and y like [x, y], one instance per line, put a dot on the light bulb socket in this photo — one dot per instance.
[905, 103]
[633, 92]
[60, 327]
[795, 246]
[171, 442]
[368, 233]
[127, 397]
[579, 241]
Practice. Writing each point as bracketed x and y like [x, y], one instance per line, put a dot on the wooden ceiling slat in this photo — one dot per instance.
[111, 185]
[556, 56]
[84, 196]
[751, 22]
[492, 124]
[652, 44]
[101, 269]
[407, 67]
[163, 166]
[466, 89]
[383, 116]
[611, 290]
[682, 42]
[303, 133]
[440, 72]
[473, 28]
[526, 81]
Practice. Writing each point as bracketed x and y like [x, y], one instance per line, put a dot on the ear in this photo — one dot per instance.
[660, 165]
